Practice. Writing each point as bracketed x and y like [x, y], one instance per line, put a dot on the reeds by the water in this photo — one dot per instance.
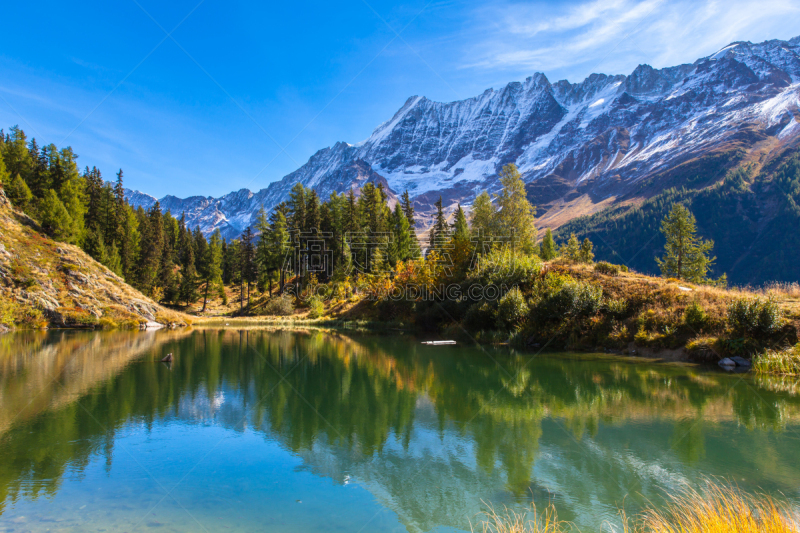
[782, 362]
[717, 508]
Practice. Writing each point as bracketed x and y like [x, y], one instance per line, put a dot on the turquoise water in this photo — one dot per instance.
[310, 431]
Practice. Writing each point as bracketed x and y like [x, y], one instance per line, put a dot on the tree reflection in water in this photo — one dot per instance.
[430, 431]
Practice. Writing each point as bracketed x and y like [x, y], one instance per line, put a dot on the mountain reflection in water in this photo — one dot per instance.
[378, 432]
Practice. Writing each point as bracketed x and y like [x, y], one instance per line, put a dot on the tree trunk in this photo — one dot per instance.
[205, 297]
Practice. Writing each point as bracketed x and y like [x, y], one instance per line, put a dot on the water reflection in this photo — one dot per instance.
[428, 431]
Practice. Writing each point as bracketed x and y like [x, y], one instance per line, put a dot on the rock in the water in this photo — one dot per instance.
[153, 325]
[727, 364]
[741, 361]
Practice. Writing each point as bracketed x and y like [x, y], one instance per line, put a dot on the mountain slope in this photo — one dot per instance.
[48, 283]
[581, 147]
[752, 215]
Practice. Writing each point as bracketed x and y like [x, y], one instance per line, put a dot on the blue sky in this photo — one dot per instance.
[202, 98]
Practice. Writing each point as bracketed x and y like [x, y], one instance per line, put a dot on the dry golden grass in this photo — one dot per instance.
[509, 521]
[718, 508]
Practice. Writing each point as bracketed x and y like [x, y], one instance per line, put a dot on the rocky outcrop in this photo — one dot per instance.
[47, 283]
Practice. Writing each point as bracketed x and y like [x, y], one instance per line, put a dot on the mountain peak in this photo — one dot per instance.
[581, 142]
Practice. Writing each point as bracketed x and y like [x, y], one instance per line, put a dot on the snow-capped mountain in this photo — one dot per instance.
[579, 146]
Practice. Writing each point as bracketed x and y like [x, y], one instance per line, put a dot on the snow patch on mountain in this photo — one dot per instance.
[624, 128]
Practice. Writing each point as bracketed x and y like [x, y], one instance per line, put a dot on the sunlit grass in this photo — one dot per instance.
[783, 362]
[717, 508]
[530, 521]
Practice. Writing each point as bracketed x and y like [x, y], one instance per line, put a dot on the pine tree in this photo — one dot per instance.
[129, 244]
[278, 245]
[585, 255]
[247, 262]
[686, 255]
[439, 230]
[54, 217]
[400, 246]
[152, 249]
[188, 287]
[313, 219]
[297, 208]
[263, 252]
[19, 193]
[515, 215]
[408, 210]
[462, 246]
[549, 250]
[212, 265]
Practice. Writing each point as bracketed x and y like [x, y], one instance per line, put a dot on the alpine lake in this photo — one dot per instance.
[310, 430]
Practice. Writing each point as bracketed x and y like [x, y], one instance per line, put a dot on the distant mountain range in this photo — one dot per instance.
[582, 147]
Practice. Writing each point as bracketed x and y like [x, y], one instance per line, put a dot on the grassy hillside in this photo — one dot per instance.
[44, 283]
[752, 215]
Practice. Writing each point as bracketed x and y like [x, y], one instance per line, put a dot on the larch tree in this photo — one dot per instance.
[515, 214]
[549, 249]
[686, 256]
[483, 222]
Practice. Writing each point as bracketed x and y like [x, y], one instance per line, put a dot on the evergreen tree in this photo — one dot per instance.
[247, 262]
[129, 244]
[19, 193]
[462, 246]
[212, 265]
[188, 286]
[152, 249]
[400, 246]
[460, 226]
[686, 255]
[313, 218]
[549, 250]
[585, 255]
[278, 245]
[297, 208]
[263, 252]
[17, 157]
[54, 217]
[515, 215]
[439, 230]
[408, 210]
[571, 251]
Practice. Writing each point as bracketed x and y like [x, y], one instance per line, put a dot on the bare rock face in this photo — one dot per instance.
[598, 138]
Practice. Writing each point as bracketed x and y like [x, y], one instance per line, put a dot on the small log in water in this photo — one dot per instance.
[439, 343]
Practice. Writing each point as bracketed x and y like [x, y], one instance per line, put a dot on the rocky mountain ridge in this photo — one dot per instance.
[580, 146]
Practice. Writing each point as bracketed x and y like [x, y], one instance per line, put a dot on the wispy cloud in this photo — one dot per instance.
[614, 35]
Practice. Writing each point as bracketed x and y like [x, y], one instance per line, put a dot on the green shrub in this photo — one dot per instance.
[617, 308]
[503, 266]
[279, 306]
[757, 317]
[604, 267]
[512, 309]
[695, 317]
[707, 349]
[480, 316]
[573, 299]
[315, 307]
[8, 311]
